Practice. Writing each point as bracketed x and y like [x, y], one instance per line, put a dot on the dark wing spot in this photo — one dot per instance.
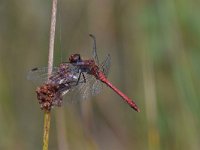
[34, 69]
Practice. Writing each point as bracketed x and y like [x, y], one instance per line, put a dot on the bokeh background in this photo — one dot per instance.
[155, 51]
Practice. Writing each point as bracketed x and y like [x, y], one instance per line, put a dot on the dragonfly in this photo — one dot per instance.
[83, 76]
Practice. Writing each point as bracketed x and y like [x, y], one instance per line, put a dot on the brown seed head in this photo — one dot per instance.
[48, 96]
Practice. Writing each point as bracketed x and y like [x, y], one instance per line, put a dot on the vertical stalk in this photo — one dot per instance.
[47, 121]
[47, 114]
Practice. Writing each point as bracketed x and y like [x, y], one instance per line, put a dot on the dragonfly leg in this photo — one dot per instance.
[84, 77]
[84, 80]
[78, 78]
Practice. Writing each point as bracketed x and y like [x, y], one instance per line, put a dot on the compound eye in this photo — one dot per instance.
[77, 57]
[74, 58]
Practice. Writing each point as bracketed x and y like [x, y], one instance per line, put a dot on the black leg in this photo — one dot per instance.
[81, 73]
[78, 78]
[84, 77]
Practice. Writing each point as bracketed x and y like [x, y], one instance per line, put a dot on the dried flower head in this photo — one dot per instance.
[48, 96]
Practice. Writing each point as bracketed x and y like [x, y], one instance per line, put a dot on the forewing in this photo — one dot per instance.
[40, 75]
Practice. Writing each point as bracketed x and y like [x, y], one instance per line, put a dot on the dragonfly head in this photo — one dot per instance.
[75, 58]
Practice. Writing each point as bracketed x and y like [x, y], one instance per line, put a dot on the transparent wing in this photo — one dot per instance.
[89, 86]
[93, 86]
[105, 65]
[94, 51]
[40, 75]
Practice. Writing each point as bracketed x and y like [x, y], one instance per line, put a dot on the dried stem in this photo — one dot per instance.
[47, 120]
[47, 115]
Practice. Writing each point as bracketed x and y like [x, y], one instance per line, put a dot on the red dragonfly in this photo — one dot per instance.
[79, 75]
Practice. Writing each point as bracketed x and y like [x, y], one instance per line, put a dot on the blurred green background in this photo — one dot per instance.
[155, 51]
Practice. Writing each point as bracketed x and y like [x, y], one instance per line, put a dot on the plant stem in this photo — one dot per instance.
[52, 36]
[47, 114]
[47, 120]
